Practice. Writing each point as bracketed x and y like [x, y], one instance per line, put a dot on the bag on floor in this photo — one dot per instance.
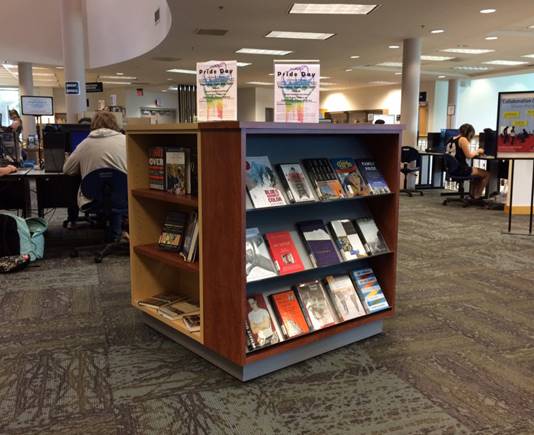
[13, 263]
[20, 236]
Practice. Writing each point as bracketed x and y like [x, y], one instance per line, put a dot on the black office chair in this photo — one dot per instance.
[408, 156]
[108, 190]
[451, 165]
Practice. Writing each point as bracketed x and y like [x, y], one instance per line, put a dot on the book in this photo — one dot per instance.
[190, 237]
[350, 178]
[369, 290]
[316, 305]
[320, 246]
[258, 262]
[176, 310]
[371, 236]
[159, 300]
[324, 179]
[172, 232]
[175, 171]
[284, 252]
[260, 324]
[262, 184]
[372, 176]
[289, 314]
[347, 239]
[295, 183]
[344, 296]
[192, 322]
[156, 168]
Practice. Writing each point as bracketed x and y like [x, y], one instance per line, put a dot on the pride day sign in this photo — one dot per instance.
[296, 92]
[516, 125]
[217, 91]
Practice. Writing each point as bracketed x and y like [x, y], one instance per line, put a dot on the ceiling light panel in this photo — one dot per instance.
[437, 31]
[506, 62]
[116, 83]
[263, 51]
[468, 50]
[382, 82]
[260, 83]
[488, 11]
[531, 56]
[299, 35]
[119, 77]
[390, 64]
[332, 8]
[436, 58]
[243, 64]
[471, 68]
[182, 71]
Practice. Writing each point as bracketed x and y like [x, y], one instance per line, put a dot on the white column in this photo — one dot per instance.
[411, 77]
[73, 38]
[26, 88]
[452, 103]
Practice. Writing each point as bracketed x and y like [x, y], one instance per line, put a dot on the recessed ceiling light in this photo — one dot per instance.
[43, 74]
[335, 8]
[390, 64]
[243, 63]
[263, 51]
[164, 90]
[355, 57]
[394, 46]
[298, 35]
[119, 74]
[491, 38]
[170, 79]
[328, 84]
[398, 73]
[117, 83]
[488, 11]
[382, 82]
[324, 77]
[531, 56]
[468, 50]
[119, 78]
[505, 62]
[436, 58]
[271, 74]
[471, 68]
[531, 26]
[182, 71]
[173, 88]
[59, 67]
[260, 83]
[348, 70]
[441, 77]
[436, 31]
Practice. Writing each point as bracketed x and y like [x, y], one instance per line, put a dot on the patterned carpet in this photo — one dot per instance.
[458, 358]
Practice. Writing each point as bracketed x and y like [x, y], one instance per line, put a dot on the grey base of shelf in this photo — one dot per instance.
[275, 362]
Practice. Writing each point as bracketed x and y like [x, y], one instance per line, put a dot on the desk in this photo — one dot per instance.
[14, 192]
[431, 175]
[490, 164]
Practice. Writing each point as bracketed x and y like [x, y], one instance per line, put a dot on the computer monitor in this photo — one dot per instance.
[446, 135]
[434, 143]
[488, 141]
[75, 137]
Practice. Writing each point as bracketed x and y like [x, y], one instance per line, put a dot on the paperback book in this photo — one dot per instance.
[156, 168]
[295, 183]
[172, 232]
[289, 314]
[261, 183]
[369, 290]
[258, 262]
[350, 178]
[190, 238]
[159, 300]
[175, 171]
[284, 252]
[372, 177]
[260, 324]
[320, 246]
[316, 305]
[176, 310]
[324, 179]
[371, 236]
[344, 296]
[347, 239]
[192, 322]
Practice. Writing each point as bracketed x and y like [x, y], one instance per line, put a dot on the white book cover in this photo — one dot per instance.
[347, 239]
[259, 264]
[262, 184]
[299, 186]
[344, 297]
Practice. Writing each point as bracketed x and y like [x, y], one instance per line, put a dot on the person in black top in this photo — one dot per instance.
[459, 148]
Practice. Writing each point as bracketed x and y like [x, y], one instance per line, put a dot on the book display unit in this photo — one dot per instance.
[229, 222]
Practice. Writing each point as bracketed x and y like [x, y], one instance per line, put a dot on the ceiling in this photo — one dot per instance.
[247, 23]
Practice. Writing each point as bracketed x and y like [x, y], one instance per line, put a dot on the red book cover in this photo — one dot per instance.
[284, 252]
[289, 314]
[156, 168]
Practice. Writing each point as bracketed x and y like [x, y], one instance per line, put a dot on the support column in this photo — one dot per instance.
[26, 88]
[411, 77]
[73, 38]
[452, 103]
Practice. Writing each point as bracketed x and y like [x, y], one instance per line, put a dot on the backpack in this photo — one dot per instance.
[20, 236]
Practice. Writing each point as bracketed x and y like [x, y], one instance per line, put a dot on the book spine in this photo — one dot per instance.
[193, 249]
[313, 176]
[285, 184]
[362, 238]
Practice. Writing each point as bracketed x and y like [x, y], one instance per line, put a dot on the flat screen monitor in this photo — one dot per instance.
[75, 137]
[446, 135]
[488, 141]
[434, 142]
[36, 106]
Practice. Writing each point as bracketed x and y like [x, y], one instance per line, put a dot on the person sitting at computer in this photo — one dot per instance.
[6, 170]
[105, 147]
[459, 148]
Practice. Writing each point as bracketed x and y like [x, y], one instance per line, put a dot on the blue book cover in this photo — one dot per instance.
[369, 290]
[350, 177]
[372, 176]
[319, 243]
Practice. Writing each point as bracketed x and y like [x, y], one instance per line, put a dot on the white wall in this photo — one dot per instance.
[438, 120]
[252, 102]
[264, 99]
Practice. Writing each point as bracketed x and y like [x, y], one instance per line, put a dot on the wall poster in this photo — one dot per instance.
[217, 91]
[515, 125]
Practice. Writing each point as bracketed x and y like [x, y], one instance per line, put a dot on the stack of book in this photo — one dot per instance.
[180, 235]
[175, 307]
[173, 169]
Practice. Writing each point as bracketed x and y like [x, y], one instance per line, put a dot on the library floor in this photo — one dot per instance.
[457, 358]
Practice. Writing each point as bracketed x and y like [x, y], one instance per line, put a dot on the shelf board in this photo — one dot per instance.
[312, 203]
[170, 198]
[172, 259]
[302, 340]
[175, 324]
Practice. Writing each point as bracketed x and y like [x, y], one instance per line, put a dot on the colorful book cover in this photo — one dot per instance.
[316, 304]
[284, 252]
[156, 168]
[347, 239]
[192, 322]
[171, 237]
[176, 310]
[258, 262]
[324, 178]
[320, 246]
[290, 316]
[372, 176]
[175, 171]
[344, 296]
[371, 235]
[349, 176]
[260, 324]
[191, 230]
[369, 290]
[297, 187]
[261, 183]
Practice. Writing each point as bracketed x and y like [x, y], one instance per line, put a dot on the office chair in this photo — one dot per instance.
[409, 155]
[451, 164]
[109, 193]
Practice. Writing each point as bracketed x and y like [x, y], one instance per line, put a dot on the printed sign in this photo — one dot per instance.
[72, 88]
[94, 87]
[296, 92]
[217, 91]
[515, 125]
